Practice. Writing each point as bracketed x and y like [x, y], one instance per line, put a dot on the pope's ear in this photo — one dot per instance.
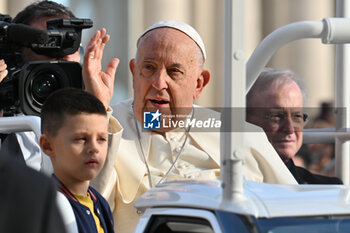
[45, 144]
[202, 81]
[132, 65]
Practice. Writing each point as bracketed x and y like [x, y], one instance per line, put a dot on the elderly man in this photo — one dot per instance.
[275, 103]
[168, 75]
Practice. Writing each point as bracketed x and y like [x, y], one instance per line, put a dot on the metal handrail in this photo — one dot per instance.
[330, 30]
[326, 135]
[20, 124]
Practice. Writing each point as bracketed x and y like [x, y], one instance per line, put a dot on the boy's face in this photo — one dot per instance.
[79, 149]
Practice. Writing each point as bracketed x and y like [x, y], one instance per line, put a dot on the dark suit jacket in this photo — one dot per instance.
[303, 176]
[10, 146]
[27, 200]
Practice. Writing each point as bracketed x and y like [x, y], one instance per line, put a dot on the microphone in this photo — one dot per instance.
[25, 35]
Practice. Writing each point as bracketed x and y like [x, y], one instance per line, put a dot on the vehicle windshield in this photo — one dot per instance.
[301, 225]
[322, 224]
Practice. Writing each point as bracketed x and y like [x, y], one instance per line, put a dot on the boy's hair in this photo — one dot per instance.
[42, 9]
[67, 101]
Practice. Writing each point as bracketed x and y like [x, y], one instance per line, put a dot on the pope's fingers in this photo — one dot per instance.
[89, 53]
[99, 35]
[112, 67]
[106, 38]
[3, 74]
[100, 45]
[96, 50]
[103, 32]
[3, 70]
[94, 38]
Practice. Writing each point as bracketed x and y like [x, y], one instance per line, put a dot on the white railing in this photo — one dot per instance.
[234, 97]
[20, 124]
[330, 30]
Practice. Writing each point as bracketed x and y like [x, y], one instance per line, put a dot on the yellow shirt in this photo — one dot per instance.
[87, 201]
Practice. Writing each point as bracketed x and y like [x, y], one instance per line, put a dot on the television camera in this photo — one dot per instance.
[27, 84]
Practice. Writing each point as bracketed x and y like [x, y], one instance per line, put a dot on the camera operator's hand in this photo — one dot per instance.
[97, 82]
[3, 70]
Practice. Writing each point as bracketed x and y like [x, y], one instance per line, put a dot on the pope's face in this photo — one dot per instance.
[167, 73]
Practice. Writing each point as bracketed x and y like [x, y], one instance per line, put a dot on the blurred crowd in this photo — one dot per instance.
[319, 158]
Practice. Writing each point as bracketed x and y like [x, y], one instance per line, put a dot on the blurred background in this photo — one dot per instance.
[125, 20]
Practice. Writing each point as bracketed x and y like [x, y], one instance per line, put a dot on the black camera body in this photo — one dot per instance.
[64, 36]
[27, 84]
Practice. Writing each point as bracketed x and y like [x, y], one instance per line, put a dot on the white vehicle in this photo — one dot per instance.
[197, 206]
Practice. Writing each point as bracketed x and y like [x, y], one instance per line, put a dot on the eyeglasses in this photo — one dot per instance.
[298, 119]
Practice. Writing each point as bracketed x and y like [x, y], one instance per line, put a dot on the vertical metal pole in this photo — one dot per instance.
[233, 115]
[342, 98]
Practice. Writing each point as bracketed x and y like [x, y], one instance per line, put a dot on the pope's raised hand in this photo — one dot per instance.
[98, 82]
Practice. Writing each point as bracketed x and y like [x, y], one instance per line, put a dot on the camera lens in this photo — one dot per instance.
[43, 85]
[38, 79]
